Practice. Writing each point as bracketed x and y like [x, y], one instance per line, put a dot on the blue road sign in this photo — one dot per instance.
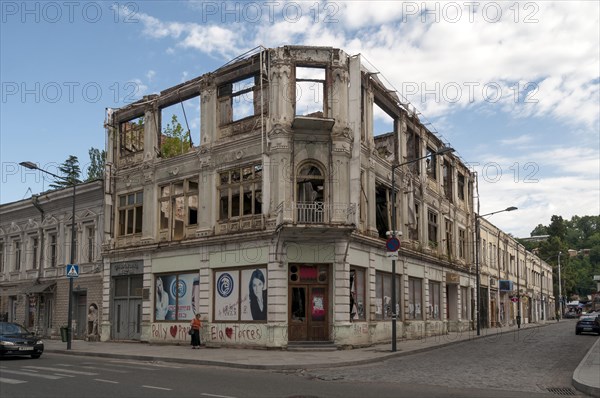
[72, 270]
[392, 244]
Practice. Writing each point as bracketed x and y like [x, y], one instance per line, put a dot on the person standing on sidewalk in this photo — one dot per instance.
[196, 325]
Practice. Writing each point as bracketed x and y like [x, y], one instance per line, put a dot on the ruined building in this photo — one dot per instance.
[261, 196]
[272, 223]
[271, 219]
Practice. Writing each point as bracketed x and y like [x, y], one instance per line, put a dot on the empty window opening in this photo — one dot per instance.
[432, 230]
[178, 207]
[180, 127]
[414, 228]
[431, 163]
[240, 192]
[383, 122]
[413, 151]
[461, 186]
[382, 209]
[448, 171]
[449, 237]
[132, 136]
[239, 99]
[131, 209]
[310, 91]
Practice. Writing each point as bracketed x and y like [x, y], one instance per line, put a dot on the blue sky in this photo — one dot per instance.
[64, 63]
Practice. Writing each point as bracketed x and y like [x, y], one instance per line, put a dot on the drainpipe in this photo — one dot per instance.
[36, 204]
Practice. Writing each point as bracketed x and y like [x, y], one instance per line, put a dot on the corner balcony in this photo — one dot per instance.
[315, 213]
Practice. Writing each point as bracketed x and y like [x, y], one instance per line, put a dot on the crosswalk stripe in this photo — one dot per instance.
[60, 374]
[11, 381]
[104, 369]
[43, 376]
[107, 381]
[77, 372]
[133, 367]
[157, 388]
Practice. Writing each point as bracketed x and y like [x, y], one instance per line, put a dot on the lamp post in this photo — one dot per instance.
[544, 315]
[477, 249]
[33, 166]
[560, 313]
[395, 232]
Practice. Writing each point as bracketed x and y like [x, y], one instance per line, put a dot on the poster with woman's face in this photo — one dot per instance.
[227, 295]
[253, 302]
[164, 297]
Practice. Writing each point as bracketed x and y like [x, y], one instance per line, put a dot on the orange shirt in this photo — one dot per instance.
[196, 324]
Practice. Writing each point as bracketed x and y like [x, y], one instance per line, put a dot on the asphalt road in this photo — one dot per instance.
[537, 360]
[521, 364]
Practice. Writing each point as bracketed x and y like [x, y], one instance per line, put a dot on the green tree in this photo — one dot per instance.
[70, 171]
[557, 227]
[97, 160]
[174, 141]
[539, 230]
[580, 233]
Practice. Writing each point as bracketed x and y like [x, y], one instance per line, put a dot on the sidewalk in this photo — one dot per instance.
[586, 377]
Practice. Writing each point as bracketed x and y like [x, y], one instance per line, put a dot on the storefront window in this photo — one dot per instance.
[383, 296]
[175, 297]
[241, 295]
[434, 301]
[414, 299]
[357, 294]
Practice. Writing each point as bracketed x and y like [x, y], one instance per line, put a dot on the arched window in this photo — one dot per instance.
[310, 194]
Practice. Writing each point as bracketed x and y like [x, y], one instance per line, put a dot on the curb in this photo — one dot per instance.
[579, 379]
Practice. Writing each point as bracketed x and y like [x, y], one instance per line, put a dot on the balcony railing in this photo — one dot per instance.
[323, 213]
[311, 213]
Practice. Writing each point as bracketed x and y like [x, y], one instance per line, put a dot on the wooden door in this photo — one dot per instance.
[308, 320]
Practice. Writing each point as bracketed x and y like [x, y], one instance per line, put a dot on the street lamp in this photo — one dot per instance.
[544, 309]
[560, 314]
[395, 232]
[33, 166]
[477, 239]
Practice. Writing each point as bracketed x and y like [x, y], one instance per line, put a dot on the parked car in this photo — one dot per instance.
[571, 314]
[588, 324]
[16, 340]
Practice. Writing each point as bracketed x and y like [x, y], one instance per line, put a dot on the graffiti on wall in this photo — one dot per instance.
[360, 329]
[161, 331]
[237, 333]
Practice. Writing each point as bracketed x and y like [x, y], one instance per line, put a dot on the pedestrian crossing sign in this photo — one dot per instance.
[72, 270]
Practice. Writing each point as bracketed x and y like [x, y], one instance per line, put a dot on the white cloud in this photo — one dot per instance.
[548, 49]
[207, 38]
[541, 183]
[520, 140]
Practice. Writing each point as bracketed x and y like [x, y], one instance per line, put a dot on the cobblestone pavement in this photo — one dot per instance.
[527, 360]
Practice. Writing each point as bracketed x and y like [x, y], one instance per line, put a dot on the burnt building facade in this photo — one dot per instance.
[271, 220]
